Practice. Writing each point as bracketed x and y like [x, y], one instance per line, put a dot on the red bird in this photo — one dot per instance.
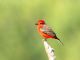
[45, 31]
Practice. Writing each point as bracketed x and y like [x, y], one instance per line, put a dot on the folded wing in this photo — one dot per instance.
[47, 30]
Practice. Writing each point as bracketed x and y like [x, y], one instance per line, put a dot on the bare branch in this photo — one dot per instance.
[49, 50]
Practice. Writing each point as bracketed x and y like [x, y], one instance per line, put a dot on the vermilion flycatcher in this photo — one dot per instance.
[45, 31]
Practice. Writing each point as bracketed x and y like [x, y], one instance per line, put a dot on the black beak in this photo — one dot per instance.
[36, 24]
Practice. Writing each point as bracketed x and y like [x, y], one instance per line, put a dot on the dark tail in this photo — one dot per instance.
[59, 40]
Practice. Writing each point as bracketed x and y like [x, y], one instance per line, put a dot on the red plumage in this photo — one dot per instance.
[45, 31]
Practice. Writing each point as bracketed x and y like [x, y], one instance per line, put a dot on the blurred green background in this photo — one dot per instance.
[19, 39]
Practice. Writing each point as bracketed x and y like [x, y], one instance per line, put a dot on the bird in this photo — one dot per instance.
[45, 31]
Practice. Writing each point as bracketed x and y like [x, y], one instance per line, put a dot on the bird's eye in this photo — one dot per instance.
[41, 23]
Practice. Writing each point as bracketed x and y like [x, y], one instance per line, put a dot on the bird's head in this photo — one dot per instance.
[40, 22]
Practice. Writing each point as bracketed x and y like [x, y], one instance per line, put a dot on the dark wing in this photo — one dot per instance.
[47, 30]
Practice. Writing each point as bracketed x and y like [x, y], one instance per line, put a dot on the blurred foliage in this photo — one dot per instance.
[19, 39]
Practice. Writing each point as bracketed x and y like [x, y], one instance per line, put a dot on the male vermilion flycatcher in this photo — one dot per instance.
[45, 31]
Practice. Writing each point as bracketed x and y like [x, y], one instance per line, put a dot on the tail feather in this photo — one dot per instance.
[59, 40]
